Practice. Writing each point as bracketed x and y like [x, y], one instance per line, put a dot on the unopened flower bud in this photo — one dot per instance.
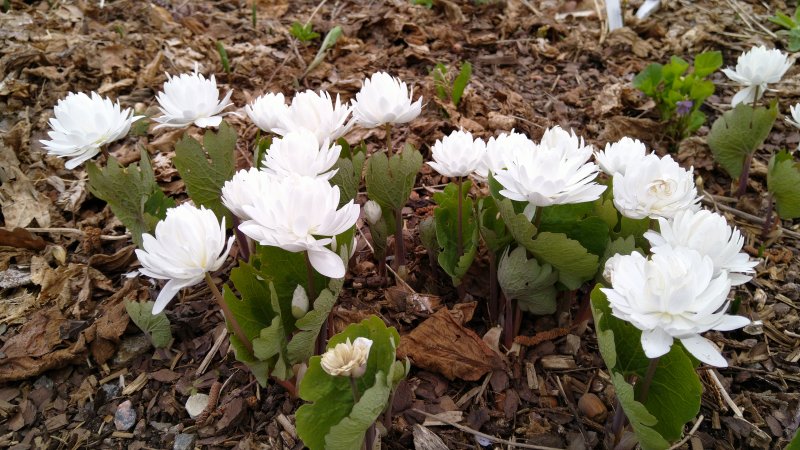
[299, 302]
[373, 212]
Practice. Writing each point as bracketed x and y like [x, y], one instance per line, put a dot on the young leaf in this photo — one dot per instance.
[330, 40]
[389, 181]
[492, 228]
[674, 395]
[223, 56]
[574, 263]
[707, 63]
[649, 79]
[439, 74]
[132, 194]
[350, 432]
[783, 20]
[348, 176]
[206, 168]
[155, 326]
[252, 311]
[783, 181]
[301, 347]
[530, 283]
[738, 133]
[446, 216]
[304, 33]
[461, 81]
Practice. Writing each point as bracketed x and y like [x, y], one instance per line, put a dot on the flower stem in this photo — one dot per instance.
[226, 311]
[354, 387]
[744, 176]
[508, 324]
[492, 305]
[459, 222]
[388, 140]
[648, 379]
[399, 244]
[242, 240]
[322, 336]
[312, 293]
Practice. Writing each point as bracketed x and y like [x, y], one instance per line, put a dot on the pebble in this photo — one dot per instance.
[125, 417]
[111, 390]
[184, 441]
[130, 348]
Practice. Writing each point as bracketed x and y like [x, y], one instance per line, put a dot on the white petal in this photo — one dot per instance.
[730, 322]
[704, 350]
[168, 292]
[326, 262]
[656, 342]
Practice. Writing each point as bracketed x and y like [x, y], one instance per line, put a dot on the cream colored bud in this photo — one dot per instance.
[299, 302]
[373, 212]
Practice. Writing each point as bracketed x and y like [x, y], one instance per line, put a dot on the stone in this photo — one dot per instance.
[130, 348]
[125, 417]
[184, 441]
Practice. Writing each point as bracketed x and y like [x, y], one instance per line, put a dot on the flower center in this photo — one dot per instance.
[662, 188]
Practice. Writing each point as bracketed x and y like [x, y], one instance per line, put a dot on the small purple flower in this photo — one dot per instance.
[684, 107]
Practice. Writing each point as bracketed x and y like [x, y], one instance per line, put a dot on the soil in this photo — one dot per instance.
[71, 357]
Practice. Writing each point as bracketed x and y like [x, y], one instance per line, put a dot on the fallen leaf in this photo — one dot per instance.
[21, 238]
[442, 344]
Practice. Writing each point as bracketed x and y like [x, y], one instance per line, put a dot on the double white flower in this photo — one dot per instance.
[708, 233]
[188, 243]
[755, 69]
[384, 99]
[458, 154]
[620, 155]
[557, 172]
[310, 111]
[676, 294]
[190, 98]
[299, 153]
[501, 149]
[295, 214]
[655, 187]
[347, 359]
[243, 189]
[83, 124]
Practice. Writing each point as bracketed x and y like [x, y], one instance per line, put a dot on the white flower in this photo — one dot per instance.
[655, 187]
[347, 359]
[709, 234]
[611, 266]
[299, 152]
[556, 172]
[384, 99]
[191, 98]
[458, 154]
[243, 189]
[754, 70]
[673, 295]
[620, 155]
[268, 111]
[83, 124]
[795, 120]
[501, 149]
[296, 215]
[188, 243]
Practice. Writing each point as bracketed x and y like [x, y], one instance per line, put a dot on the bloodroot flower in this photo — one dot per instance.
[384, 99]
[268, 111]
[243, 189]
[299, 152]
[673, 295]
[795, 112]
[188, 243]
[83, 124]
[317, 113]
[620, 155]
[347, 359]
[754, 70]
[557, 172]
[191, 98]
[708, 233]
[296, 215]
[655, 187]
[501, 149]
[458, 154]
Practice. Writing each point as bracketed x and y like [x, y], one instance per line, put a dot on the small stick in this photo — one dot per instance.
[728, 400]
[210, 355]
[690, 433]
[396, 276]
[213, 398]
[76, 231]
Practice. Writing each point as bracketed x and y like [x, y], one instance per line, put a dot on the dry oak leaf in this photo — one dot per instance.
[442, 344]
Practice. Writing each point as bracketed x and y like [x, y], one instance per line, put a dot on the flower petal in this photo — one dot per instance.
[326, 262]
[704, 350]
[656, 342]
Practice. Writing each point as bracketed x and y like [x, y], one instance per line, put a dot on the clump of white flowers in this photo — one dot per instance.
[458, 154]
[620, 155]
[755, 69]
[675, 294]
[314, 112]
[188, 243]
[191, 98]
[384, 99]
[501, 149]
[243, 189]
[299, 152]
[83, 125]
[347, 359]
[655, 187]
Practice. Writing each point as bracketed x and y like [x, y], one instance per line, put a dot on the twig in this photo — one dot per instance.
[396, 276]
[79, 232]
[747, 216]
[483, 435]
[728, 400]
[213, 398]
[210, 355]
[690, 433]
[572, 409]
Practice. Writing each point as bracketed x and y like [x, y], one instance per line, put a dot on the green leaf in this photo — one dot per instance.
[254, 310]
[330, 40]
[794, 40]
[427, 235]
[330, 419]
[348, 176]
[783, 20]
[439, 74]
[620, 245]
[390, 181]
[700, 91]
[738, 133]
[304, 33]
[461, 81]
[132, 194]
[783, 181]
[301, 347]
[446, 216]
[574, 263]
[223, 56]
[707, 63]
[206, 168]
[674, 395]
[795, 444]
[675, 69]
[155, 326]
[591, 232]
[530, 283]
[649, 79]
[492, 228]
